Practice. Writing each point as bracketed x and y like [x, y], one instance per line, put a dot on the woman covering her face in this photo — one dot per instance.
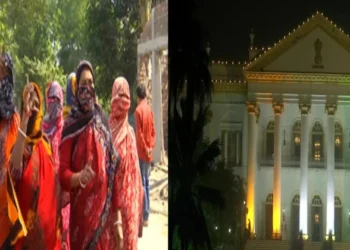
[35, 176]
[128, 183]
[9, 123]
[53, 120]
[52, 127]
[88, 164]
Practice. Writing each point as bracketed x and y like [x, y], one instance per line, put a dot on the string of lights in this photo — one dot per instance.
[228, 81]
[294, 31]
[264, 50]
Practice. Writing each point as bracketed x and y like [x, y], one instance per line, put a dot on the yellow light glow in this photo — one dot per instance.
[326, 237]
[276, 219]
[337, 141]
[305, 236]
[250, 206]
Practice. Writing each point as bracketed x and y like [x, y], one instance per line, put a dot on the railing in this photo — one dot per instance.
[232, 163]
[294, 162]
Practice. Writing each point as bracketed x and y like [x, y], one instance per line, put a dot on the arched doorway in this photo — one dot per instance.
[270, 141]
[268, 217]
[316, 218]
[338, 143]
[295, 216]
[337, 218]
[296, 140]
[317, 142]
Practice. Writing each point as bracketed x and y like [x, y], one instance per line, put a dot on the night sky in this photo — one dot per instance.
[227, 23]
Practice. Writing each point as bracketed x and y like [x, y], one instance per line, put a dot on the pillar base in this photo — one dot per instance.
[277, 236]
[252, 236]
[305, 237]
[326, 237]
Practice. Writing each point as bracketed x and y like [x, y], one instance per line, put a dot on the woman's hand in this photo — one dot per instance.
[28, 104]
[118, 234]
[87, 174]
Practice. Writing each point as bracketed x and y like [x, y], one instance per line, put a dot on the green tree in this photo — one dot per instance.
[72, 31]
[112, 31]
[34, 41]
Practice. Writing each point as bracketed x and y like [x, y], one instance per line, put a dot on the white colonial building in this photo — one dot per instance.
[284, 119]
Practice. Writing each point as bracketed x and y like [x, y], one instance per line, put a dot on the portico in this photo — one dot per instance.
[286, 93]
[289, 110]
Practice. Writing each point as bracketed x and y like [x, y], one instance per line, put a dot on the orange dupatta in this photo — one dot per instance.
[38, 191]
[11, 219]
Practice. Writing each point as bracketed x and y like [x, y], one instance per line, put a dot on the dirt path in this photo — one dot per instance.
[155, 236]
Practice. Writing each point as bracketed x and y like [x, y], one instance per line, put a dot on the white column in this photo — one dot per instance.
[245, 147]
[253, 113]
[330, 109]
[157, 99]
[304, 161]
[278, 110]
[237, 148]
[226, 146]
[157, 106]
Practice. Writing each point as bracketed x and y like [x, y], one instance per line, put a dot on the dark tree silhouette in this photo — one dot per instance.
[226, 224]
[189, 154]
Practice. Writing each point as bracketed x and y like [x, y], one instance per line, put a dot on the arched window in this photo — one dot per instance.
[269, 199]
[316, 201]
[317, 141]
[337, 201]
[296, 200]
[338, 218]
[231, 147]
[296, 140]
[270, 144]
[338, 147]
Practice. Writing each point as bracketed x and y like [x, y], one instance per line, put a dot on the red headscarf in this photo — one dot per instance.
[120, 105]
[128, 183]
[53, 121]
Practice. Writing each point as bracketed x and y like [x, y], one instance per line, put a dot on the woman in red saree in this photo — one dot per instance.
[36, 181]
[88, 164]
[52, 127]
[128, 179]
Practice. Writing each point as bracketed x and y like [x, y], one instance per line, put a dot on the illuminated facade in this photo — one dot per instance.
[284, 122]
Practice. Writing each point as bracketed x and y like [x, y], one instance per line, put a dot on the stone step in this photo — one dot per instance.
[267, 245]
[286, 245]
[341, 246]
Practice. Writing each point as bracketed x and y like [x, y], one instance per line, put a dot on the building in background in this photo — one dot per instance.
[283, 118]
[153, 68]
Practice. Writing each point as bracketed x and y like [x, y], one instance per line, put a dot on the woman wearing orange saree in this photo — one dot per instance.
[36, 180]
[128, 179]
[88, 165]
[12, 226]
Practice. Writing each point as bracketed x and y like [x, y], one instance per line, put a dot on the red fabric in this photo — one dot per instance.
[55, 137]
[145, 133]
[55, 140]
[38, 196]
[128, 183]
[86, 204]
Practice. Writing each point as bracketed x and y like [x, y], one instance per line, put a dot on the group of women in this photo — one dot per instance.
[69, 178]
